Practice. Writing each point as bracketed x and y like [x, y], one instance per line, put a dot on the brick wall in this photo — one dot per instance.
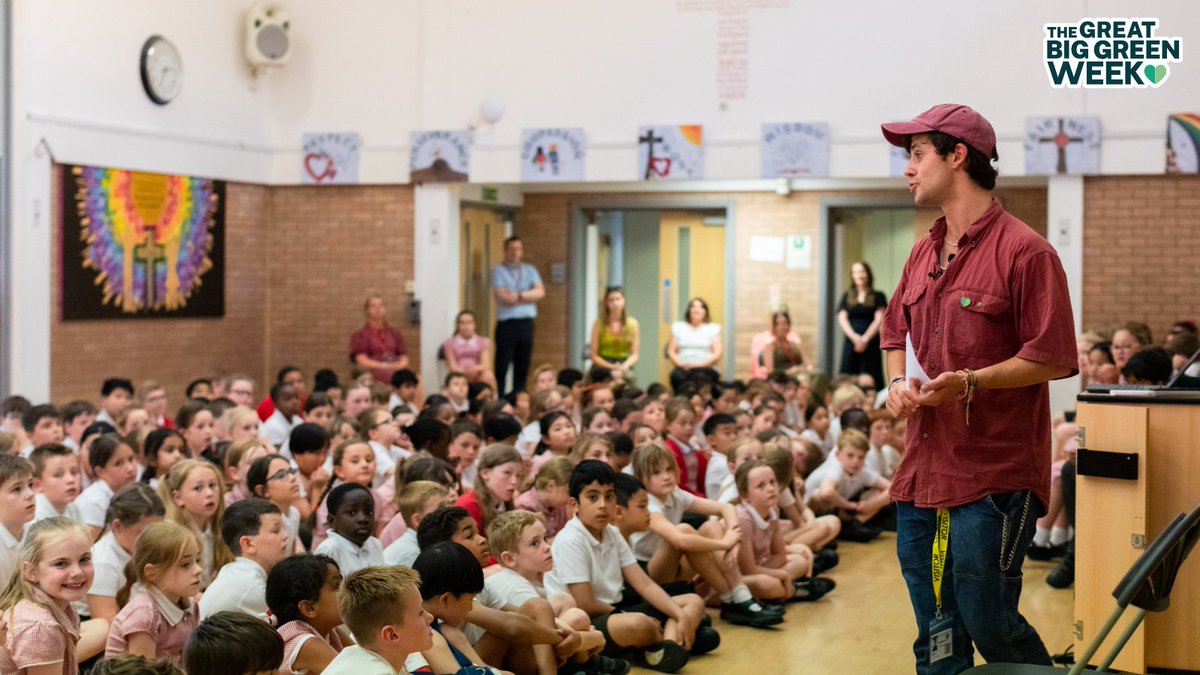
[544, 225]
[299, 263]
[329, 248]
[1140, 247]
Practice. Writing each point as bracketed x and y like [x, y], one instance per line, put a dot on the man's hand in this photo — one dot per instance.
[940, 389]
[900, 400]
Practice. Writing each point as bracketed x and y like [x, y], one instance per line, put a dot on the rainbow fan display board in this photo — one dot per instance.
[1183, 143]
[141, 245]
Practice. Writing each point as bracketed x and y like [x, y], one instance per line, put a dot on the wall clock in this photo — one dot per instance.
[162, 70]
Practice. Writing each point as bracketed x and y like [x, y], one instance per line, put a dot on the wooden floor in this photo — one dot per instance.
[866, 625]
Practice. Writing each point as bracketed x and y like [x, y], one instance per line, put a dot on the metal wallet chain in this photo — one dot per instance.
[1012, 553]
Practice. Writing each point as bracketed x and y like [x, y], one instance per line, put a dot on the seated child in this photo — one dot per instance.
[160, 616]
[45, 634]
[353, 462]
[272, 478]
[524, 637]
[308, 448]
[163, 449]
[720, 430]
[351, 522]
[131, 511]
[557, 439]
[76, 416]
[191, 492]
[286, 415]
[236, 463]
[674, 551]
[817, 423]
[18, 504]
[500, 468]
[42, 425]
[592, 562]
[450, 579]
[803, 530]
[548, 496]
[253, 531]
[232, 643]
[417, 499]
[56, 479]
[519, 540]
[591, 445]
[596, 420]
[845, 487]
[302, 596]
[456, 387]
[770, 570]
[691, 462]
[136, 665]
[622, 450]
[382, 608]
[882, 458]
[742, 451]
[114, 466]
[465, 440]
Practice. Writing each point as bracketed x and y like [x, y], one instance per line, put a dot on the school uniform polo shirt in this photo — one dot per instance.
[93, 503]
[350, 556]
[356, 660]
[581, 558]
[672, 508]
[46, 510]
[240, 586]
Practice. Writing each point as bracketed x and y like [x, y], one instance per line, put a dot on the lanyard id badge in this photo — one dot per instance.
[941, 627]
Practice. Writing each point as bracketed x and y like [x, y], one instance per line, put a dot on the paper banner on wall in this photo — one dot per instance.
[552, 155]
[796, 149]
[798, 254]
[141, 245]
[1183, 143]
[1062, 145]
[440, 156]
[330, 158]
[671, 152]
[766, 249]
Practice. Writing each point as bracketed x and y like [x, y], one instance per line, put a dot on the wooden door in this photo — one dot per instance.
[482, 249]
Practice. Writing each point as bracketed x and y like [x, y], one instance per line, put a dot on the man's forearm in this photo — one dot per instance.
[1016, 372]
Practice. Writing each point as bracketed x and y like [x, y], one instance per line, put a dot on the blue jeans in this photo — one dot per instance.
[981, 588]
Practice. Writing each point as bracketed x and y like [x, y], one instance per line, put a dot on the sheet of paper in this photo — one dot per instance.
[766, 249]
[912, 367]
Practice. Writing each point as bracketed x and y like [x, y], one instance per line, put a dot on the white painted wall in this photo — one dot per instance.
[385, 67]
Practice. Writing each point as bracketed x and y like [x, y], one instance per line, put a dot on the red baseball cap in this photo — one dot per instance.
[953, 119]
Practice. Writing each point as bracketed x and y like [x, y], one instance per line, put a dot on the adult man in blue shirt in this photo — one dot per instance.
[517, 287]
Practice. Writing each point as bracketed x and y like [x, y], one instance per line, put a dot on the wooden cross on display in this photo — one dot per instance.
[1061, 140]
[649, 140]
[150, 253]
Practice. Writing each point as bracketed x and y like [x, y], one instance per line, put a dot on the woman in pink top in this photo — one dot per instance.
[468, 353]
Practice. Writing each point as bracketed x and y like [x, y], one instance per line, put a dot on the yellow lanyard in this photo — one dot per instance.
[941, 544]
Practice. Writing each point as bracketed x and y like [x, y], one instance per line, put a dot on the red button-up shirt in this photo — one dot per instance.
[1003, 295]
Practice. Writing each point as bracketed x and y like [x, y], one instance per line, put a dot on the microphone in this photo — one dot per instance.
[938, 271]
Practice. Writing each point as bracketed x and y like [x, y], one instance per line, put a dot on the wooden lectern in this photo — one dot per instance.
[1138, 467]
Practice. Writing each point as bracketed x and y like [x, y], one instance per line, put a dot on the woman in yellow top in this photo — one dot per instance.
[615, 336]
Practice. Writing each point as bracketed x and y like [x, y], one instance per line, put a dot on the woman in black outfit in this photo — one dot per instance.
[860, 315]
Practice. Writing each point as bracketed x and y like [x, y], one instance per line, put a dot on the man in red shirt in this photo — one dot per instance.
[985, 301]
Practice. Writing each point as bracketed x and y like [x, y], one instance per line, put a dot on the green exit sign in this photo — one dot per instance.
[491, 194]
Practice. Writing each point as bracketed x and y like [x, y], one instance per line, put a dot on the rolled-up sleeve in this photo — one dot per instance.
[1045, 322]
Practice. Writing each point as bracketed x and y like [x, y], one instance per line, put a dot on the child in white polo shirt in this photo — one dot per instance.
[351, 523]
[56, 478]
[593, 562]
[253, 531]
[17, 506]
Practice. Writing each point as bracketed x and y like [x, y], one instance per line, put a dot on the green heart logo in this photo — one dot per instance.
[965, 301]
[1156, 74]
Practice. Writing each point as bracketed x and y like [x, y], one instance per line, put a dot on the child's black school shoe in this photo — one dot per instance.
[853, 530]
[605, 665]
[749, 613]
[824, 560]
[1045, 553]
[668, 657]
[811, 589]
[706, 640]
[706, 621]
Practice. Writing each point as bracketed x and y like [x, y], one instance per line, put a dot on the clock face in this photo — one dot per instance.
[162, 70]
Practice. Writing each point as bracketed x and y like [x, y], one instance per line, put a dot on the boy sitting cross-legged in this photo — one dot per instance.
[518, 539]
[525, 640]
[592, 563]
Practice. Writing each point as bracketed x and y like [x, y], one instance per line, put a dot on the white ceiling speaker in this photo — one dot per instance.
[268, 42]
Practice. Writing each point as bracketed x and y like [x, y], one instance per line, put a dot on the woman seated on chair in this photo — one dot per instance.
[615, 336]
[785, 351]
[695, 346]
[468, 353]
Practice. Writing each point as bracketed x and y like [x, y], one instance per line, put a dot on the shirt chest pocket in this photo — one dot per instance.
[979, 327]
